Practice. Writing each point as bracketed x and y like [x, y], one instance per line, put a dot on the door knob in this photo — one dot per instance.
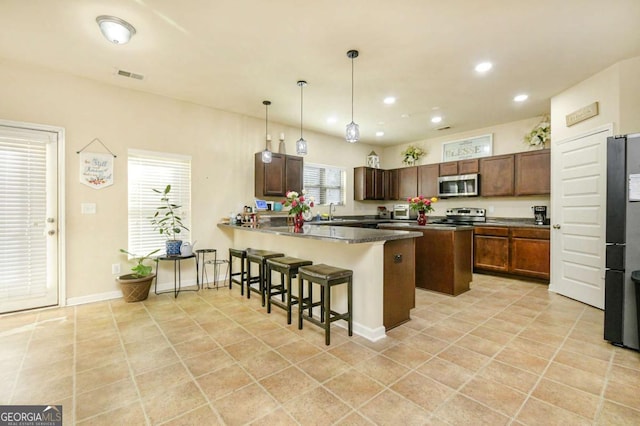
[51, 232]
[556, 226]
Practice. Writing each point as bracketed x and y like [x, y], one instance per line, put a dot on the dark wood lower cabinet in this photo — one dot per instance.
[399, 282]
[517, 251]
[443, 261]
[491, 249]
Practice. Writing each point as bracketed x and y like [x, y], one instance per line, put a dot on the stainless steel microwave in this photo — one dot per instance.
[458, 186]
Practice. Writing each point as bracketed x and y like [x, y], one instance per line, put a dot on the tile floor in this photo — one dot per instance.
[506, 352]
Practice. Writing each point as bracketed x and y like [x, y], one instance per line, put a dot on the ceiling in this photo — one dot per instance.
[233, 54]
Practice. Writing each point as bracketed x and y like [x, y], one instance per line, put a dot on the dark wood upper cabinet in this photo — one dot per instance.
[294, 174]
[428, 180]
[461, 167]
[368, 184]
[407, 182]
[391, 184]
[533, 172]
[284, 173]
[468, 167]
[449, 169]
[497, 175]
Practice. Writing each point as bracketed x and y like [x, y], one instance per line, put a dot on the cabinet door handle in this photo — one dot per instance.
[556, 226]
[397, 258]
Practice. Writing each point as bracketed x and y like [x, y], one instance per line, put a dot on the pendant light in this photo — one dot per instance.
[353, 130]
[266, 154]
[301, 144]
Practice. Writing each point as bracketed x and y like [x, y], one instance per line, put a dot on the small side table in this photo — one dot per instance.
[177, 278]
[201, 259]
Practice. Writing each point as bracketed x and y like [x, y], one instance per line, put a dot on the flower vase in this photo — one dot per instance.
[422, 217]
[298, 222]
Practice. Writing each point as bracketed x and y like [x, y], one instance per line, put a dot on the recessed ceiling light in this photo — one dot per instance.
[332, 120]
[436, 119]
[484, 66]
[389, 100]
[379, 133]
[521, 98]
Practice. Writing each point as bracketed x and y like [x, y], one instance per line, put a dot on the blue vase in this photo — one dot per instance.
[173, 247]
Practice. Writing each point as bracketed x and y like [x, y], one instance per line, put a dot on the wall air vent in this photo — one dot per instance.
[444, 128]
[124, 73]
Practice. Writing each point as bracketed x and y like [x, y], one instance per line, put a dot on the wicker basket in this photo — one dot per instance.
[135, 289]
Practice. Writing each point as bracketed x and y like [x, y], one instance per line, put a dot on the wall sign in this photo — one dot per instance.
[582, 114]
[476, 147]
[96, 170]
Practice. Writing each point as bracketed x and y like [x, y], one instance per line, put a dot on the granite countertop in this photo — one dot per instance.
[340, 234]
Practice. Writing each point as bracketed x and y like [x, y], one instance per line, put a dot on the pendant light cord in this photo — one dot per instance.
[266, 122]
[352, 89]
[301, 90]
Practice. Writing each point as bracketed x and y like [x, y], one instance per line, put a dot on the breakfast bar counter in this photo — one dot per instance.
[382, 261]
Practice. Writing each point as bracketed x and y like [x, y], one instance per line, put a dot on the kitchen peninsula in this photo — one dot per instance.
[383, 264]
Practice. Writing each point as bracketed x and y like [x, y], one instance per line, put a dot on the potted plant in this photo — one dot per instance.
[167, 221]
[411, 154]
[135, 287]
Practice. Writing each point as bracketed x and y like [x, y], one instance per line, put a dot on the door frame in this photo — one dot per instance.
[61, 201]
[556, 246]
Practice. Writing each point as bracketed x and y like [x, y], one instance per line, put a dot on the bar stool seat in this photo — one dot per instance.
[242, 275]
[286, 266]
[260, 257]
[326, 276]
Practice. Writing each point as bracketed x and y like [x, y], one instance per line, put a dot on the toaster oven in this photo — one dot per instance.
[403, 212]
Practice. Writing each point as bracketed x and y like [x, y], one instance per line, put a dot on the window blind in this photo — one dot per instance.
[154, 170]
[23, 191]
[325, 183]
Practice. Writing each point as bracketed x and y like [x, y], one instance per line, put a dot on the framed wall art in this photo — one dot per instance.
[475, 147]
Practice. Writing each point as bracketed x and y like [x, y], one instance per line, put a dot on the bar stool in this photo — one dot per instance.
[218, 264]
[242, 255]
[326, 276]
[260, 257]
[287, 266]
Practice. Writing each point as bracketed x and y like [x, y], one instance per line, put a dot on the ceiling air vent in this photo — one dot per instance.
[124, 73]
[444, 128]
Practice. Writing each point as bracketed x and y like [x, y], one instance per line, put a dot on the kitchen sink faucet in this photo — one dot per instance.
[331, 208]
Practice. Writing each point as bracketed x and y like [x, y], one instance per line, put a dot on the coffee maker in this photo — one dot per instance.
[539, 214]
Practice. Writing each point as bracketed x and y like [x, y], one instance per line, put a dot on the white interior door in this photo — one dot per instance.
[29, 226]
[578, 188]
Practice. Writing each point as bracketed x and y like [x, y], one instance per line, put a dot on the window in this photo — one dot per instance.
[325, 183]
[155, 170]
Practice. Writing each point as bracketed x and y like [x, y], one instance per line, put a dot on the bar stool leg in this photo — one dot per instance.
[350, 304]
[300, 301]
[326, 310]
[269, 272]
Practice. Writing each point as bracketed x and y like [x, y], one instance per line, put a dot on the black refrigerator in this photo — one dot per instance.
[621, 302]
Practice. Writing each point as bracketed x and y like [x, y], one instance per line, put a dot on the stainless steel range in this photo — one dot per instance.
[463, 216]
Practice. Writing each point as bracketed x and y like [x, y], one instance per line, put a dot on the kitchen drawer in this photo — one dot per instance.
[540, 234]
[495, 231]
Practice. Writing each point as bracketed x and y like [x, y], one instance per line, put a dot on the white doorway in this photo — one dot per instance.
[578, 209]
[31, 159]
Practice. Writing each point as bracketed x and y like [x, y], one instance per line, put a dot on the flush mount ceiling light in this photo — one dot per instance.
[484, 66]
[389, 100]
[301, 144]
[266, 154]
[116, 30]
[353, 130]
[521, 98]
[436, 119]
